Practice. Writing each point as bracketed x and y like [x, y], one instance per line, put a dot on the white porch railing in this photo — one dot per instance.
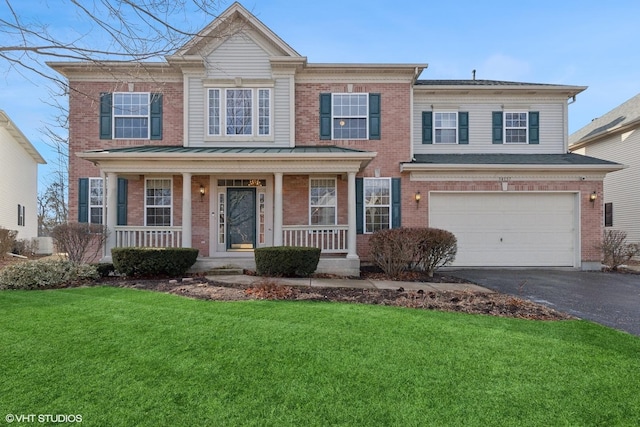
[148, 237]
[330, 239]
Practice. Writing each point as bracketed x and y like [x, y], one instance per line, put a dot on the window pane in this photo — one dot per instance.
[239, 112]
[350, 128]
[446, 136]
[377, 218]
[323, 216]
[158, 202]
[214, 112]
[322, 201]
[264, 108]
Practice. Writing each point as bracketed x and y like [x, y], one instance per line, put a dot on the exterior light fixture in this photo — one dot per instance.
[417, 196]
[593, 196]
[201, 191]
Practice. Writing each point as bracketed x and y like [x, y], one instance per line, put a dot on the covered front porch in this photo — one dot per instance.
[227, 202]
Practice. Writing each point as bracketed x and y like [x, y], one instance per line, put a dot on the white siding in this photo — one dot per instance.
[621, 187]
[282, 107]
[238, 56]
[18, 185]
[552, 129]
[196, 110]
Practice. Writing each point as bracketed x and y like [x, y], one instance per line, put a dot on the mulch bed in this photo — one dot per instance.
[494, 304]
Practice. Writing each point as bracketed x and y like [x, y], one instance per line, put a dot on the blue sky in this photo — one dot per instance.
[583, 43]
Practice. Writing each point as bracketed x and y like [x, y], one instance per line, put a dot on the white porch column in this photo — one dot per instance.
[112, 211]
[277, 210]
[186, 210]
[351, 217]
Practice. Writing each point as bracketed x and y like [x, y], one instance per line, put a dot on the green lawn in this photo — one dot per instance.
[122, 357]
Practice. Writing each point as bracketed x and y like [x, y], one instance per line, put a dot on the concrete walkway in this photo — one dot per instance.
[352, 283]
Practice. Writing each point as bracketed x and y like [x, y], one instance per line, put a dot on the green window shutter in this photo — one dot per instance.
[374, 116]
[325, 116]
[497, 127]
[427, 127]
[534, 127]
[396, 220]
[122, 201]
[83, 200]
[463, 128]
[19, 214]
[359, 206]
[105, 115]
[156, 116]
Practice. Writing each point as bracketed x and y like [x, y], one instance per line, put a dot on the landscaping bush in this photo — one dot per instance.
[80, 241]
[104, 269]
[25, 247]
[45, 274]
[7, 241]
[287, 261]
[401, 249]
[616, 250]
[153, 261]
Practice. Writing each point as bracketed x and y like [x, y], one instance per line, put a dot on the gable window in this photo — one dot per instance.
[608, 214]
[322, 201]
[158, 202]
[131, 115]
[350, 116]
[515, 127]
[246, 112]
[445, 127]
[96, 205]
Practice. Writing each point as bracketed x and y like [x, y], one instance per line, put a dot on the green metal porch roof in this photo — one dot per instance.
[179, 149]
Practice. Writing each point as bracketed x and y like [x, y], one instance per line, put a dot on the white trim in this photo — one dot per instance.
[504, 127]
[349, 116]
[101, 205]
[222, 113]
[455, 128]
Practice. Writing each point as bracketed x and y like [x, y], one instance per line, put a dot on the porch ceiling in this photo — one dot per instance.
[163, 159]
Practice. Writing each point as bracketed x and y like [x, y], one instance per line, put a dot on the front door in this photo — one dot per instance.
[241, 218]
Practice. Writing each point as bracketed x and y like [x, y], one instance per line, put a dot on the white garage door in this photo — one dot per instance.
[508, 229]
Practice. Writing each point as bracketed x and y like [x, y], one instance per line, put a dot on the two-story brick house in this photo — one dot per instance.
[237, 142]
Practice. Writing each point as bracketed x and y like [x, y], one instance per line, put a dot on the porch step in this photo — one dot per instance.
[224, 272]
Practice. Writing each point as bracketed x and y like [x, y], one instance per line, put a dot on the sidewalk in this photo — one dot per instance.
[353, 283]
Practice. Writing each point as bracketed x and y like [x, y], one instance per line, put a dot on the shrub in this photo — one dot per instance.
[45, 274]
[153, 261]
[7, 241]
[616, 250]
[80, 241]
[400, 249]
[286, 261]
[104, 269]
[25, 247]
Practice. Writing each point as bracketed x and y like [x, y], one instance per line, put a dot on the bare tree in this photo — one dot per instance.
[101, 31]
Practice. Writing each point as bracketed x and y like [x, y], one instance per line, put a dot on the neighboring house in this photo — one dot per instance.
[18, 180]
[237, 142]
[616, 137]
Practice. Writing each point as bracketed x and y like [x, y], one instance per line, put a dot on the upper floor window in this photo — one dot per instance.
[445, 127]
[516, 127]
[350, 116]
[244, 112]
[131, 115]
[322, 201]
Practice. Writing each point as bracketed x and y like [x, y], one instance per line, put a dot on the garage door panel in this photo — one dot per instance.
[515, 229]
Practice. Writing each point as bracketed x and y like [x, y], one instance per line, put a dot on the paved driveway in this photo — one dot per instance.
[611, 299]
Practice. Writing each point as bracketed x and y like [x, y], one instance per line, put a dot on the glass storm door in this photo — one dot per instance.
[241, 218]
